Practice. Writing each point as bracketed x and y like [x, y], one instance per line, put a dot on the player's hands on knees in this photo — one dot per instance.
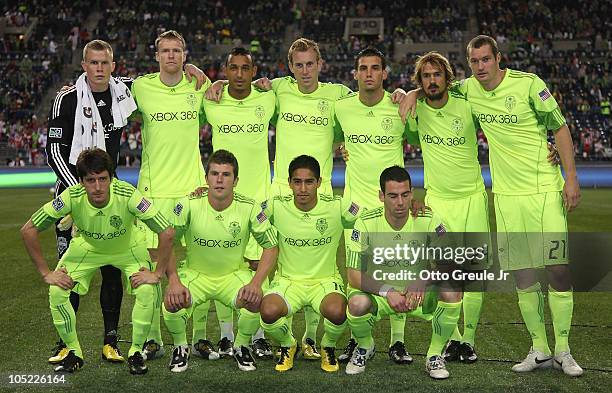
[191, 71]
[418, 208]
[397, 95]
[571, 193]
[198, 192]
[59, 278]
[408, 105]
[250, 293]
[397, 301]
[344, 152]
[415, 294]
[177, 296]
[553, 155]
[144, 276]
[263, 84]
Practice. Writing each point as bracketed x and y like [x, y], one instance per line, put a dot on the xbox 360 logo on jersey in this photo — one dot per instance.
[191, 100]
[323, 106]
[510, 103]
[386, 123]
[260, 111]
[116, 222]
[234, 228]
[457, 125]
[322, 225]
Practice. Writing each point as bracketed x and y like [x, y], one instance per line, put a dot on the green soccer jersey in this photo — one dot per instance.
[171, 165]
[241, 127]
[216, 240]
[374, 138]
[305, 125]
[450, 150]
[372, 231]
[106, 230]
[308, 241]
[515, 117]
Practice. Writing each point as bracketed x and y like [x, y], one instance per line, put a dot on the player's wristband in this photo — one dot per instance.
[384, 290]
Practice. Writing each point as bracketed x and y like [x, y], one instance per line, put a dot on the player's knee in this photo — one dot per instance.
[336, 315]
[559, 277]
[271, 309]
[58, 295]
[146, 294]
[359, 305]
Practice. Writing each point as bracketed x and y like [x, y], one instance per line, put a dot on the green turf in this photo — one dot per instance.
[27, 334]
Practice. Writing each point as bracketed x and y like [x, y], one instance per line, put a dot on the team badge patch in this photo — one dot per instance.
[544, 94]
[55, 132]
[116, 222]
[457, 125]
[386, 124]
[321, 225]
[510, 103]
[261, 217]
[260, 111]
[234, 228]
[144, 205]
[191, 100]
[323, 106]
[440, 230]
[354, 208]
[355, 235]
[178, 209]
[58, 204]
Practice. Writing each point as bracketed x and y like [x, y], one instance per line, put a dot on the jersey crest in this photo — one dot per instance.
[234, 228]
[115, 222]
[322, 225]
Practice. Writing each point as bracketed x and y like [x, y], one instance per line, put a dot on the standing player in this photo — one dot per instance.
[217, 226]
[309, 230]
[373, 135]
[453, 179]
[104, 210]
[371, 299]
[240, 123]
[171, 165]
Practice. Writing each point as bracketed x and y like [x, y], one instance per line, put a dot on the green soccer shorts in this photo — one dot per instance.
[298, 294]
[383, 309]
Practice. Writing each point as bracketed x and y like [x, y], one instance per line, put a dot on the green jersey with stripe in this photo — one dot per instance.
[450, 151]
[373, 137]
[515, 117]
[105, 230]
[305, 125]
[308, 241]
[216, 240]
[171, 166]
[241, 127]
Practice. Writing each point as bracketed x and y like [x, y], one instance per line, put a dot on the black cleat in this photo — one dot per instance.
[70, 364]
[59, 353]
[226, 347]
[136, 364]
[262, 349]
[348, 351]
[451, 353]
[244, 359]
[205, 349]
[397, 353]
[467, 354]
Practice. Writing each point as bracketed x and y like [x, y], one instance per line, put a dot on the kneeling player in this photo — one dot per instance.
[309, 230]
[217, 225]
[104, 210]
[370, 300]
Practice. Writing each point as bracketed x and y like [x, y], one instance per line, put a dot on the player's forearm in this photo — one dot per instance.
[565, 147]
[164, 251]
[29, 233]
[265, 266]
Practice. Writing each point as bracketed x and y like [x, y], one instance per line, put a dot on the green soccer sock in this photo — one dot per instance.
[397, 322]
[248, 323]
[456, 334]
[332, 333]
[176, 322]
[531, 304]
[199, 319]
[225, 315]
[279, 331]
[361, 327]
[155, 330]
[147, 301]
[443, 323]
[472, 305]
[311, 320]
[64, 318]
[561, 308]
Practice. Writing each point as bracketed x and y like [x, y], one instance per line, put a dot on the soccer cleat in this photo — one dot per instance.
[467, 354]
[287, 355]
[59, 353]
[70, 364]
[435, 366]
[180, 359]
[397, 353]
[262, 349]
[348, 351]
[451, 352]
[152, 350]
[328, 360]
[309, 350]
[565, 361]
[535, 359]
[244, 359]
[111, 352]
[358, 360]
[205, 349]
[136, 364]
[226, 348]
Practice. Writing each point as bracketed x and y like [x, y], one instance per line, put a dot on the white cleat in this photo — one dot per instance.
[358, 361]
[180, 359]
[534, 360]
[435, 366]
[565, 361]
